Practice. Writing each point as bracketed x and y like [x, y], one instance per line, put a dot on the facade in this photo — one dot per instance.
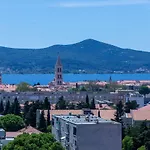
[135, 97]
[3, 139]
[136, 117]
[58, 72]
[86, 132]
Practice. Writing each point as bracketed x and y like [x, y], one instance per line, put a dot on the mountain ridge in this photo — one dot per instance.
[89, 56]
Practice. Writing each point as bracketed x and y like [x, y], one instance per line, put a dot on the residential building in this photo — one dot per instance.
[86, 132]
[3, 139]
[136, 117]
[135, 97]
[106, 114]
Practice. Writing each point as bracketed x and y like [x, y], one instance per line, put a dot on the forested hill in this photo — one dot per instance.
[89, 55]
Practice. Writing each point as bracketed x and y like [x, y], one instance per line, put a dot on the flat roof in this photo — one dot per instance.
[84, 119]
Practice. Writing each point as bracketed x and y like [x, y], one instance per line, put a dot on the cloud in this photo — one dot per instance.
[98, 3]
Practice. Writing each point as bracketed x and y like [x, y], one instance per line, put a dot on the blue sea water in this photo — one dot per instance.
[46, 78]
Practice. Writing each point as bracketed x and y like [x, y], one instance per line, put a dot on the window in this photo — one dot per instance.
[74, 131]
[57, 69]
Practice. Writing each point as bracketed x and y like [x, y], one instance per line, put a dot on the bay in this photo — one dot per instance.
[46, 78]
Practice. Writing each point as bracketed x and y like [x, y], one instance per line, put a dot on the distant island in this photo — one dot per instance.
[88, 56]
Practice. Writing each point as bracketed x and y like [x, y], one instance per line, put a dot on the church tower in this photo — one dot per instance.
[58, 72]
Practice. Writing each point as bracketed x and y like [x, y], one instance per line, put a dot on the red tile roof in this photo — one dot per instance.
[141, 113]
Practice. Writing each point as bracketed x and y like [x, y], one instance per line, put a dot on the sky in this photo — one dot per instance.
[42, 23]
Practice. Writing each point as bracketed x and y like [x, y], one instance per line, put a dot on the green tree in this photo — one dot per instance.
[1, 107]
[42, 141]
[17, 109]
[87, 102]
[61, 104]
[49, 129]
[7, 108]
[46, 103]
[130, 105]
[144, 90]
[23, 87]
[48, 117]
[42, 122]
[141, 148]
[26, 109]
[119, 111]
[92, 106]
[11, 122]
[127, 143]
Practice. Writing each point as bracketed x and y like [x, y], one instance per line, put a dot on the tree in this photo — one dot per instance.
[144, 90]
[87, 102]
[23, 87]
[11, 122]
[99, 114]
[61, 104]
[142, 148]
[127, 143]
[92, 106]
[16, 106]
[119, 111]
[46, 103]
[42, 141]
[130, 105]
[26, 109]
[48, 117]
[42, 123]
[7, 108]
[1, 107]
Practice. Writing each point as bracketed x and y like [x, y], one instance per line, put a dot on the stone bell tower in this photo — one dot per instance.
[58, 72]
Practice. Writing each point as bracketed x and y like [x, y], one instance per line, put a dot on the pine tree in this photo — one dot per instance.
[1, 107]
[42, 123]
[92, 106]
[48, 117]
[87, 102]
[7, 108]
[17, 109]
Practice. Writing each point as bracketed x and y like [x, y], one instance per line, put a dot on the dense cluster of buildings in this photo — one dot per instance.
[82, 129]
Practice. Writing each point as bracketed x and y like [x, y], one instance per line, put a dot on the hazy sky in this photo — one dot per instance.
[42, 23]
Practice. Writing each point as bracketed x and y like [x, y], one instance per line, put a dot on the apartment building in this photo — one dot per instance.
[86, 132]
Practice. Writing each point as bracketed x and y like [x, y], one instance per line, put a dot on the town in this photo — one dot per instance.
[86, 115]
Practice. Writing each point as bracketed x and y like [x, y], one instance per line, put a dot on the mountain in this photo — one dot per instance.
[89, 55]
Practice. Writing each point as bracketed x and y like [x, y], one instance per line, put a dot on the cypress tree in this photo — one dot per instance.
[26, 109]
[17, 109]
[48, 117]
[92, 104]
[61, 104]
[46, 103]
[7, 108]
[99, 114]
[1, 107]
[87, 102]
[119, 112]
[42, 123]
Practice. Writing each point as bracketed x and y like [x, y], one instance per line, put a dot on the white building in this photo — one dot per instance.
[86, 132]
[3, 139]
[135, 97]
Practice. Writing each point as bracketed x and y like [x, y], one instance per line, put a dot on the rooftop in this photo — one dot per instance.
[84, 119]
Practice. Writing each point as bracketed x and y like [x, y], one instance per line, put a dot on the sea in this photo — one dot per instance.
[44, 79]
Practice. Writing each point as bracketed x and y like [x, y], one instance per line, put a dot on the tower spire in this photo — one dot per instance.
[58, 72]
